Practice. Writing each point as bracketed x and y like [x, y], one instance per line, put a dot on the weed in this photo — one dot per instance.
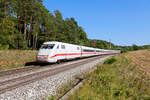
[51, 98]
[110, 61]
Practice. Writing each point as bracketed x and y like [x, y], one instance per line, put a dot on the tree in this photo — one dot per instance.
[7, 33]
[135, 47]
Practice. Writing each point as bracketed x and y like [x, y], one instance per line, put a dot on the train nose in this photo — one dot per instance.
[43, 54]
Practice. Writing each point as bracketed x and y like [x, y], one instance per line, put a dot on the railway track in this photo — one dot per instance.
[30, 68]
[16, 82]
[19, 70]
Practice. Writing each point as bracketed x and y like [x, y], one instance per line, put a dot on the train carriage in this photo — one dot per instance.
[88, 51]
[55, 51]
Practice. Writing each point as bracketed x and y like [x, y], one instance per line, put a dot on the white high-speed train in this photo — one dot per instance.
[56, 51]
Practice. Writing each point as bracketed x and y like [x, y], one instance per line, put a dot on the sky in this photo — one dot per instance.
[123, 22]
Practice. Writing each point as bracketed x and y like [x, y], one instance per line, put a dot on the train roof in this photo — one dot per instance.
[56, 42]
[51, 42]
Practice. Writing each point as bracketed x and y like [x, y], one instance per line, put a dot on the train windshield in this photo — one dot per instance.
[47, 46]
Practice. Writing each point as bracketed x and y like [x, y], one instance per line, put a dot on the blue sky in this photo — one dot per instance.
[124, 22]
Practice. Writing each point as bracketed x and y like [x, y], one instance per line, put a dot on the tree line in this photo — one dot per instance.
[26, 24]
[134, 47]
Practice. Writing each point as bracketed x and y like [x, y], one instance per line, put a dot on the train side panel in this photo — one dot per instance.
[73, 51]
[64, 51]
[87, 51]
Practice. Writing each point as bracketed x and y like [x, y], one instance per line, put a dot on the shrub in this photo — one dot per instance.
[4, 47]
[110, 61]
[51, 98]
[124, 50]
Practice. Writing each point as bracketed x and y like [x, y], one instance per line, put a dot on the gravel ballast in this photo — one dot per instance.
[48, 86]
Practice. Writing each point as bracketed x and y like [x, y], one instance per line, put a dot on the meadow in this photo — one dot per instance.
[119, 78]
[16, 58]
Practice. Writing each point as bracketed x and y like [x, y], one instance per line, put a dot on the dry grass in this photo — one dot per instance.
[140, 58]
[15, 58]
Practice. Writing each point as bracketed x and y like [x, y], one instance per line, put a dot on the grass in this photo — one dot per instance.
[16, 58]
[65, 87]
[120, 80]
[110, 61]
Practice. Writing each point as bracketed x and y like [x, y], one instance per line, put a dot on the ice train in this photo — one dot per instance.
[54, 51]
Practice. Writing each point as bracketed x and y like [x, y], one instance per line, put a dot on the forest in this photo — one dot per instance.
[26, 24]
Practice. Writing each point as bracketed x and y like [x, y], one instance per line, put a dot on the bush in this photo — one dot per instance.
[0, 46]
[124, 50]
[51, 98]
[110, 61]
[4, 47]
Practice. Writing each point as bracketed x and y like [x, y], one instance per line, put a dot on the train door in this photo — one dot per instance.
[81, 51]
[58, 52]
[63, 51]
[68, 51]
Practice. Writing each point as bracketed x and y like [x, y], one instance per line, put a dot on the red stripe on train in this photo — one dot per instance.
[67, 55]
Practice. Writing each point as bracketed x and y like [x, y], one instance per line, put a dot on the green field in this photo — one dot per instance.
[117, 79]
[16, 58]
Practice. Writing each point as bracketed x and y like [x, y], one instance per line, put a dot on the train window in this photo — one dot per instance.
[78, 48]
[62, 46]
[88, 50]
[58, 47]
[47, 46]
[98, 51]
